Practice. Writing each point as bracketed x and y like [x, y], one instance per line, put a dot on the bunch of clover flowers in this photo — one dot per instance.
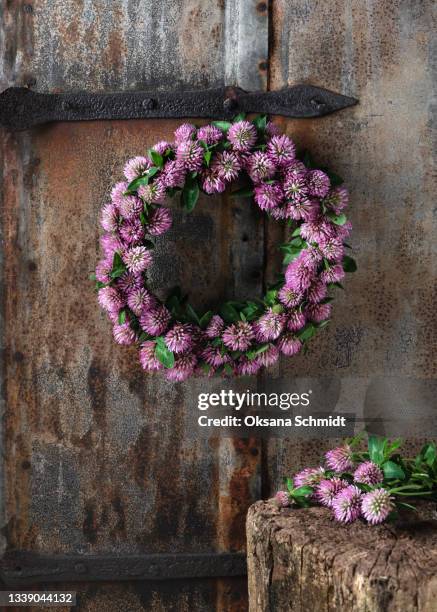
[241, 337]
[370, 485]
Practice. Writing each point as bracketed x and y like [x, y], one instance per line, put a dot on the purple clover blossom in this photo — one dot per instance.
[184, 132]
[215, 327]
[300, 273]
[343, 231]
[117, 193]
[282, 499]
[190, 154]
[211, 181]
[270, 325]
[139, 300]
[272, 129]
[309, 477]
[109, 217]
[214, 357]
[281, 150]
[226, 165]
[294, 166]
[317, 291]
[289, 345]
[327, 489]
[295, 187]
[317, 230]
[318, 183]
[340, 459]
[296, 320]
[147, 357]
[347, 504]
[103, 270]
[260, 167]
[333, 250]
[137, 259]
[136, 167]
[269, 357]
[173, 174]
[337, 199]
[238, 336]
[210, 134]
[132, 231]
[153, 193]
[129, 281]
[110, 244]
[123, 333]
[334, 274]
[308, 210]
[289, 297]
[248, 367]
[368, 473]
[162, 146]
[183, 368]
[110, 299]
[279, 213]
[178, 339]
[242, 135]
[268, 195]
[318, 312]
[376, 506]
[129, 206]
[155, 321]
[159, 221]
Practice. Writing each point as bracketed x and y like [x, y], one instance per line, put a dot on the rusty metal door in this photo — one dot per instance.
[97, 459]
[96, 456]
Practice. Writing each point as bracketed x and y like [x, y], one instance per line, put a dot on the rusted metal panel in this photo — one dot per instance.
[97, 458]
[384, 324]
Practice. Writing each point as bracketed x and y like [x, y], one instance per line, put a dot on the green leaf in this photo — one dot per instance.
[307, 332]
[349, 264]
[302, 491]
[429, 453]
[405, 505]
[239, 117]
[393, 471]
[228, 369]
[156, 158]
[289, 483]
[118, 266]
[308, 159]
[271, 297]
[244, 192]
[222, 125]
[229, 313]
[163, 353]
[258, 351]
[207, 157]
[296, 232]
[122, 316]
[260, 122]
[337, 219]
[205, 319]
[376, 447]
[92, 276]
[190, 195]
[335, 179]
[191, 314]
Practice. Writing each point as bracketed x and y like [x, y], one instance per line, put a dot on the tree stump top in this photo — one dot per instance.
[300, 559]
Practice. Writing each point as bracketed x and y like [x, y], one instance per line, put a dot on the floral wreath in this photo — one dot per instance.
[243, 336]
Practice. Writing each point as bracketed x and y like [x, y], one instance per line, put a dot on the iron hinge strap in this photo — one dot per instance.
[22, 108]
[26, 567]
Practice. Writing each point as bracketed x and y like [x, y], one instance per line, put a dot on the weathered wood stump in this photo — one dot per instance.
[299, 560]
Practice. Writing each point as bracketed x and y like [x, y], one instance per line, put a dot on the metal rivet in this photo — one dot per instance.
[317, 103]
[148, 103]
[263, 65]
[261, 7]
[230, 104]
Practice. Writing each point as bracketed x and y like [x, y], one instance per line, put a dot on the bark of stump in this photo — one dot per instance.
[299, 560]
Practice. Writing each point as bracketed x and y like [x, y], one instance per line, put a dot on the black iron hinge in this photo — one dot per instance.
[21, 108]
[26, 567]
